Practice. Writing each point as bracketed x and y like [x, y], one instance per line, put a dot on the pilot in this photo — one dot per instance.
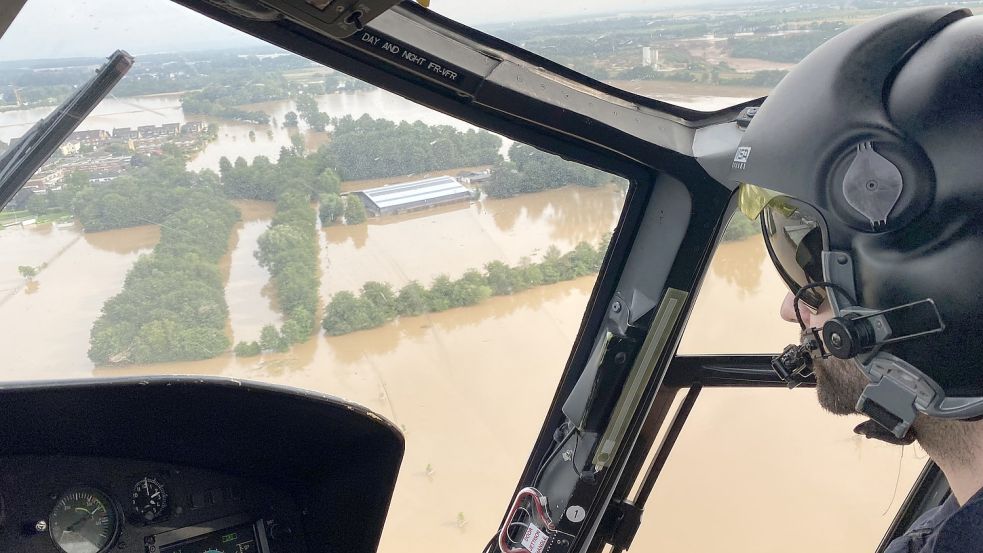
[865, 166]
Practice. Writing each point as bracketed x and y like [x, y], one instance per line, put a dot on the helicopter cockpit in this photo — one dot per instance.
[507, 235]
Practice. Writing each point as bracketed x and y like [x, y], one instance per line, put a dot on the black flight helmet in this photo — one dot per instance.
[866, 166]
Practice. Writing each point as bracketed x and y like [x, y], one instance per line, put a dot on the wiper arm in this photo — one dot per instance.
[21, 160]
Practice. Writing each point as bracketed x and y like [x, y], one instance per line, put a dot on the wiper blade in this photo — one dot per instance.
[22, 159]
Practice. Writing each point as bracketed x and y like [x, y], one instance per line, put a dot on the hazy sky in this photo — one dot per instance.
[65, 28]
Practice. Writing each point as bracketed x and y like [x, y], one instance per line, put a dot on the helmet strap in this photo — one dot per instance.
[873, 430]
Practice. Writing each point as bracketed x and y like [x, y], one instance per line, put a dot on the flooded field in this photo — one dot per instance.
[251, 299]
[49, 318]
[455, 238]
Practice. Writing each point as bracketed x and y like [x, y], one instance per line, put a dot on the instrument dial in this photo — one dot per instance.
[84, 520]
[149, 499]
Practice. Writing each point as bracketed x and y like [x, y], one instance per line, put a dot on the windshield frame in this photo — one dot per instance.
[607, 115]
[484, 40]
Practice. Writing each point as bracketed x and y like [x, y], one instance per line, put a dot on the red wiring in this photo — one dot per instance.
[538, 501]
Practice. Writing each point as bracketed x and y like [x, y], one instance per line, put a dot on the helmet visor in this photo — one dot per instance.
[795, 237]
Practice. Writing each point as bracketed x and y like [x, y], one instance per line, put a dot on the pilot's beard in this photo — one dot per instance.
[839, 384]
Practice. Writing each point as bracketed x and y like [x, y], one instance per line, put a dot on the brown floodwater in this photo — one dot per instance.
[454, 238]
[765, 467]
[251, 297]
[45, 324]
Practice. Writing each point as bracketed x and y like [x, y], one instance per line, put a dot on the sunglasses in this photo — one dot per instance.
[795, 236]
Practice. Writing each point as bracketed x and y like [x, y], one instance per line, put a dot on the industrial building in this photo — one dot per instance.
[410, 196]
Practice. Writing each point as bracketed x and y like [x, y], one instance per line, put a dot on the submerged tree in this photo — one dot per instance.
[354, 210]
[332, 208]
[27, 271]
[248, 349]
[271, 340]
[349, 313]
[290, 119]
[412, 300]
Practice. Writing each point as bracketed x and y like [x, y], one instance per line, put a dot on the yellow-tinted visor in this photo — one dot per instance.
[752, 200]
[795, 237]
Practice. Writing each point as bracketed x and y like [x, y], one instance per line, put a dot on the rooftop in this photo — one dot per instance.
[416, 191]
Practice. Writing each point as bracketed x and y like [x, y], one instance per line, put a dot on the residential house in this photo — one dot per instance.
[45, 179]
[193, 127]
[125, 133]
[148, 131]
[70, 147]
[96, 137]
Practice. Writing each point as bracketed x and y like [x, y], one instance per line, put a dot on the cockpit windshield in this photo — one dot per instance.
[235, 209]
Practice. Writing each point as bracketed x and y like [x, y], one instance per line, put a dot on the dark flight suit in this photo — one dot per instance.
[945, 529]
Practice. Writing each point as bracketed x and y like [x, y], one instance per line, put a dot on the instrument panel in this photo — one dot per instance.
[69, 504]
[223, 465]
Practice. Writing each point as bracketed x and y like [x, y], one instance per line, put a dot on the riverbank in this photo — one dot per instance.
[8, 218]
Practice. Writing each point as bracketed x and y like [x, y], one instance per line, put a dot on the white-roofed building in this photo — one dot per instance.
[410, 196]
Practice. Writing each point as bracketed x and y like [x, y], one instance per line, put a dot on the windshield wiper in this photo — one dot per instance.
[30, 151]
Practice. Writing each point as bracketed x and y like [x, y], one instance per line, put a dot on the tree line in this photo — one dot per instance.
[310, 113]
[265, 180]
[790, 48]
[141, 196]
[53, 203]
[375, 148]
[378, 303]
[175, 294]
[172, 306]
[218, 81]
[532, 170]
[222, 93]
[699, 72]
[367, 148]
[152, 74]
[288, 250]
[158, 73]
[216, 100]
